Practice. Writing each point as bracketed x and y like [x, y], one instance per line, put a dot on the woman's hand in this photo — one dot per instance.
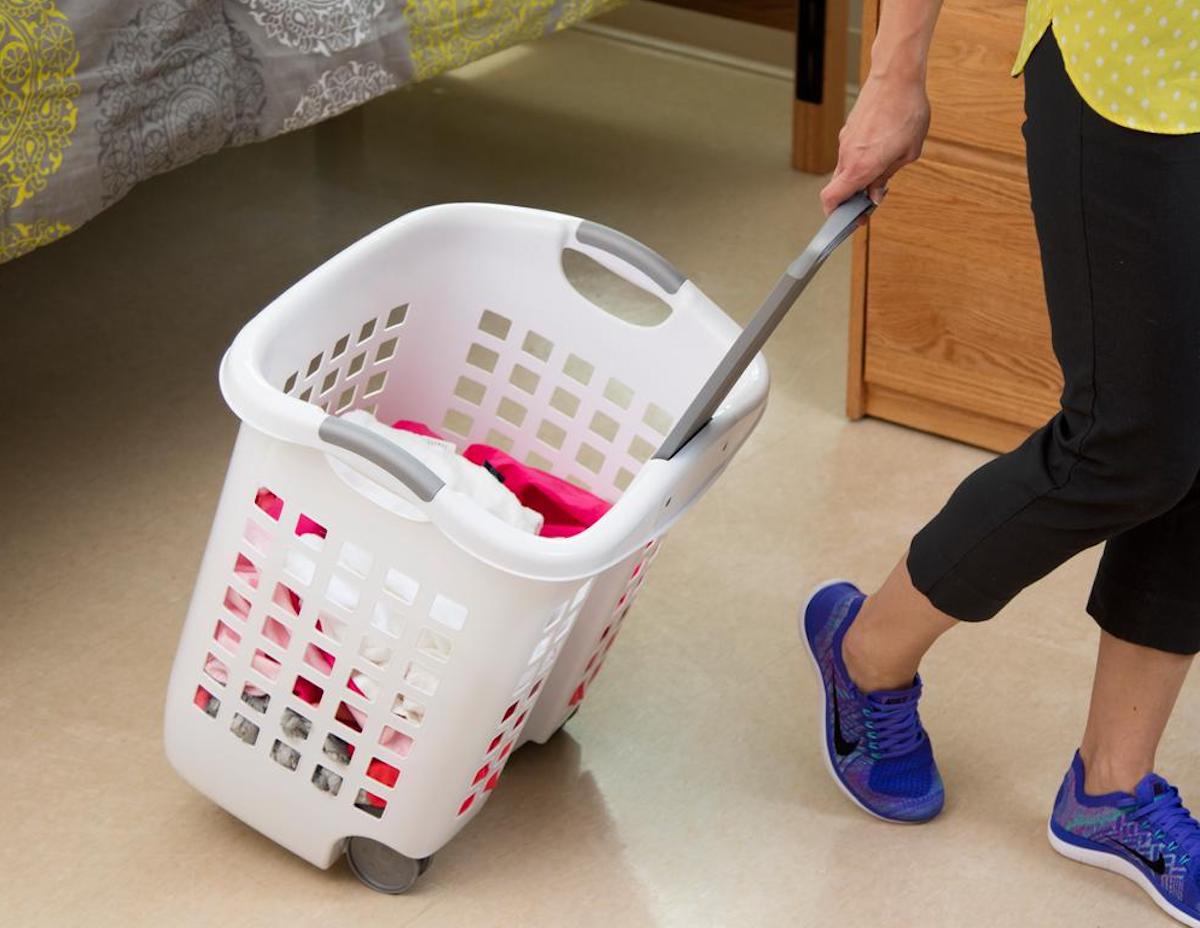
[885, 131]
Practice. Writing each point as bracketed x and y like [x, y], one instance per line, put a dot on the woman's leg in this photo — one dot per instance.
[1132, 698]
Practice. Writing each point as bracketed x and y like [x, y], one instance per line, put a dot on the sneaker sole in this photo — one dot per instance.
[824, 735]
[1118, 865]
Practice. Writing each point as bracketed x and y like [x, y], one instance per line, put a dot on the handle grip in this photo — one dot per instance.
[837, 228]
[360, 440]
[632, 252]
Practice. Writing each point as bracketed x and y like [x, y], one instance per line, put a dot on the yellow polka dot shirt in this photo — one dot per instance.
[1135, 62]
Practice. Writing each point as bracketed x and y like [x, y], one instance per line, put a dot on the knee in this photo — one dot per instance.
[1147, 476]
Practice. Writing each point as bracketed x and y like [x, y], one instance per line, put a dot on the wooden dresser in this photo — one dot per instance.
[948, 322]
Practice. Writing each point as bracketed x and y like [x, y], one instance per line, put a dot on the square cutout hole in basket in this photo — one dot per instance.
[405, 708]
[349, 716]
[375, 384]
[314, 364]
[386, 349]
[578, 369]
[533, 459]
[482, 357]
[363, 684]
[537, 345]
[294, 725]
[434, 644]
[319, 659]
[387, 619]
[524, 379]
[382, 772]
[470, 390]
[341, 592]
[466, 804]
[243, 728]
[658, 419]
[481, 774]
[499, 440]
[565, 402]
[300, 566]
[401, 585]
[331, 627]
[590, 458]
[310, 531]
[367, 330]
[257, 537]
[275, 631]
[226, 637]
[356, 560]
[495, 743]
[623, 479]
[269, 502]
[551, 434]
[337, 749]
[396, 316]
[374, 649]
[458, 422]
[246, 571]
[340, 347]
[618, 393]
[447, 612]
[329, 382]
[494, 324]
[539, 649]
[357, 363]
[604, 425]
[206, 702]
[290, 383]
[216, 669]
[287, 599]
[640, 449]
[255, 698]
[370, 803]
[305, 689]
[346, 398]
[265, 664]
[421, 679]
[285, 755]
[395, 741]
[326, 780]
[511, 411]
[236, 603]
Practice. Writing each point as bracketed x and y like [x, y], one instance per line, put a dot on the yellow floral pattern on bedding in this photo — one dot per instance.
[447, 34]
[37, 97]
[21, 238]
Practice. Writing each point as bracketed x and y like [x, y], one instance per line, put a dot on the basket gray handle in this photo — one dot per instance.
[379, 451]
[837, 228]
[632, 252]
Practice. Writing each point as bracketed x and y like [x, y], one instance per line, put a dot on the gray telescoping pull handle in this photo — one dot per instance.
[383, 453]
[837, 228]
[633, 252]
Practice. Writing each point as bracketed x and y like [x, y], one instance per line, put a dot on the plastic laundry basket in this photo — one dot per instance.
[473, 635]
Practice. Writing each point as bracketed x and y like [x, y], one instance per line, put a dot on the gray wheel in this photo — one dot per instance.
[384, 870]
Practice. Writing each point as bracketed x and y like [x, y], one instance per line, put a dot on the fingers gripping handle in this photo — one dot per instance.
[632, 252]
[837, 228]
[382, 453]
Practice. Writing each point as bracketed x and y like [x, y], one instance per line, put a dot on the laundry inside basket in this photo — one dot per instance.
[556, 508]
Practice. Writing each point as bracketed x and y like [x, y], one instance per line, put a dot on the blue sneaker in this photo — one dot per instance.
[873, 743]
[1146, 836]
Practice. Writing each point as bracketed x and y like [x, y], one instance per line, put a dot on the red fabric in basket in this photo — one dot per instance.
[566, 509]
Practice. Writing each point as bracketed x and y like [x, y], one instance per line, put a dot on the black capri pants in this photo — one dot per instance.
[1118, 222]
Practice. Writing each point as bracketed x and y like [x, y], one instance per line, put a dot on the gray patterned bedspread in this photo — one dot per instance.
[97, 95]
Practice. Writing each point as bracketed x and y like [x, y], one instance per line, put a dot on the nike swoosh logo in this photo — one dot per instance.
[1159, 865]
[840, 744]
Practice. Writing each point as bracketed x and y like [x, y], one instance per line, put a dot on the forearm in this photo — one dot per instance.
[901, 46]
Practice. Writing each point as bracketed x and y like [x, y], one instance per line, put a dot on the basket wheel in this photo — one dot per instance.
[382, 869]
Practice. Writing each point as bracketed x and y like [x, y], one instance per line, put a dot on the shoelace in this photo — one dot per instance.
[892, 724]
[1169, 817]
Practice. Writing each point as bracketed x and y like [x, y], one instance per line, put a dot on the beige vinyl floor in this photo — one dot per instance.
[689, 791]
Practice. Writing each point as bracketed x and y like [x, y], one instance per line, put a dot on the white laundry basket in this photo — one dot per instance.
[467, 635]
